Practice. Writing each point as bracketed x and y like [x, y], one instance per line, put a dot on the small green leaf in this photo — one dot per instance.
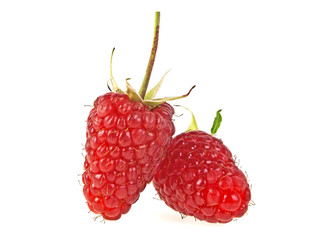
[153, 92]
[217, 122]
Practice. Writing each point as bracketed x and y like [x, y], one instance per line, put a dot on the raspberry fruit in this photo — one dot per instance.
[125, 141]
[198, 177]
[126, 136]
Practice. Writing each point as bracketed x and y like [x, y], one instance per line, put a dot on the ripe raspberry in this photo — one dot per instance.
[127, 134]
[198, 177]
[125, 141]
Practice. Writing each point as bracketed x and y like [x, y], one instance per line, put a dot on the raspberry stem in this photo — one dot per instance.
[144, 85]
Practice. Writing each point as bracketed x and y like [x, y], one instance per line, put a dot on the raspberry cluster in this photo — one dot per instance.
[129, 143]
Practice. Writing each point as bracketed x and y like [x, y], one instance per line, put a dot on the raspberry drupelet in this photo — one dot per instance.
[198, 177]
[125, 141]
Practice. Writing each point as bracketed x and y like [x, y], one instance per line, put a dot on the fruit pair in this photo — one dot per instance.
[129, 141]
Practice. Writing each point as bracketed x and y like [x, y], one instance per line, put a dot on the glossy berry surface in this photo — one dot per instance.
[198, 177]
[124, 143]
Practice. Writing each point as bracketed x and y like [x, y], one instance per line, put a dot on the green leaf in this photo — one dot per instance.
[217, 122]
[153, 92]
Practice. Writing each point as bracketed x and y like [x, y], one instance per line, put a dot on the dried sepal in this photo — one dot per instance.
[193, 124]
[153, 92]
[112, 81]
[131, 92]
[158, 101]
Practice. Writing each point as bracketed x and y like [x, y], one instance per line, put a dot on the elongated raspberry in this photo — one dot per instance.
[127, 134]
[125, 140]
[198, 177]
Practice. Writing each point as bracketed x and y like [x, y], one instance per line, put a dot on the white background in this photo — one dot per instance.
[263, 62]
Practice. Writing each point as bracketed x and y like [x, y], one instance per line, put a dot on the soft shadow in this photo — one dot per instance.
[188, 220]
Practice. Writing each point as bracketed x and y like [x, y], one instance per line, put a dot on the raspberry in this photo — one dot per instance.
[127, 134]
[125, 141]
[198, 177]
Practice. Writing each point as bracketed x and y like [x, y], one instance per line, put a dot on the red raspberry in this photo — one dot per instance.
[198, 177]
[125, 141]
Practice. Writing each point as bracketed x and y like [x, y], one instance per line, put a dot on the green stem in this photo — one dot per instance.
[144, 86]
